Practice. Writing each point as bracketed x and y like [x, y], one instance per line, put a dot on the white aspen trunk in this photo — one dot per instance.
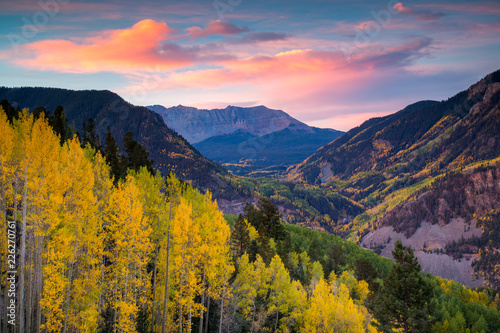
[165, 298]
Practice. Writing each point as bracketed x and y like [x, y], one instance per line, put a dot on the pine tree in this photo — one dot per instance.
[404, 300]
[113, 157]
[240, 238]
[90, 135]
[10, 112]
[60, 124]
[137, 156]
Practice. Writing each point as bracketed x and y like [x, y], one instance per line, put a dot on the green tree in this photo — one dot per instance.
[9, 110]
[137, 156]
[266, 219]
[113, 156]
[240, 238]
[60, 124]
[363, 270]
[90, 135]
[404, 300]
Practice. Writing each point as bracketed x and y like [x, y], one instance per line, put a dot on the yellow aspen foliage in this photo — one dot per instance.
[186, 250]
[128, 245]
[6, 167]
[53, 290]
[332, 310]
[215, 249]
[245, 288]
[164, 291]
[81, 216]
[279, 288]
[362, 291]
[39, 167]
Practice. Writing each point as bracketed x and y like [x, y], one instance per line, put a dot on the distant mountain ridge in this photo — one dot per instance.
[247, 139]
[196, 125]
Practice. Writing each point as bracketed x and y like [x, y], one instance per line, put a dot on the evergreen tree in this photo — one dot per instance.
[60, 124]
[363, 270]
[404, 300]
[113, 156]
[9, 110]
[240, 238]
[137, 156]
[90, 135]
[267, 220]
[37, 112]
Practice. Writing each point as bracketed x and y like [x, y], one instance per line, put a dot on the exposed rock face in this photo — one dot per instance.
[196, 125]
[432, 236]
[445, 212]
[464, 194]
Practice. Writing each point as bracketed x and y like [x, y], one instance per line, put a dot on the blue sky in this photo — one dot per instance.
[327, 63]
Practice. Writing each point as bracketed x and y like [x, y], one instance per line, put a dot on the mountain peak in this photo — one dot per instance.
[197, 125]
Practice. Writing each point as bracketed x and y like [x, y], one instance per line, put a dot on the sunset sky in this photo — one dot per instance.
[327, 63]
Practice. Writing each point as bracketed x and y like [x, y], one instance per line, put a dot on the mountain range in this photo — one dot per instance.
[244, 140]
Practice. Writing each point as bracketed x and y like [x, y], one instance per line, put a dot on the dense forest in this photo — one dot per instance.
[99, 249]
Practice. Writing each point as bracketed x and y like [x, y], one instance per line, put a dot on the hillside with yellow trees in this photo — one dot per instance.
[83, 252]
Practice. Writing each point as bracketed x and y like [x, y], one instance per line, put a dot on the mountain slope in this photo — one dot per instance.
[447, 221]
[423, 140]
[169, 150]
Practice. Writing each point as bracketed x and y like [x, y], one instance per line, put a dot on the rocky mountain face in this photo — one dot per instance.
[196, 125]
[244, 140]
[446, 223]
[170, 151]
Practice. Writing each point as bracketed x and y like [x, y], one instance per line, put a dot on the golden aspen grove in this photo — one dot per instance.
[149, 253]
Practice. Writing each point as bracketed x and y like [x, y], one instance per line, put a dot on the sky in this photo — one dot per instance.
[328, 63]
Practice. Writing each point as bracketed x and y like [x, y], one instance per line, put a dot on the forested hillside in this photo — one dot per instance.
[168, 150]
[151, 254]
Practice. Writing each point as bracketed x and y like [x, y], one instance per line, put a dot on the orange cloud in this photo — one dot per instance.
[216, 27]
[135, 48]
[259, 68]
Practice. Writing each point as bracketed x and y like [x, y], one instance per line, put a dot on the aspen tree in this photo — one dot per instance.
[173, 193]
[129, 234]
[152, 198]
[216, 266]
[23, 127]
[45, 192]
[187, 256]
[279, 288]
[80, 208]
[103, 187]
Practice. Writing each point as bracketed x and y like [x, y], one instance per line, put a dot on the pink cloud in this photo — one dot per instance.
[115, 50]
[216, 27]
